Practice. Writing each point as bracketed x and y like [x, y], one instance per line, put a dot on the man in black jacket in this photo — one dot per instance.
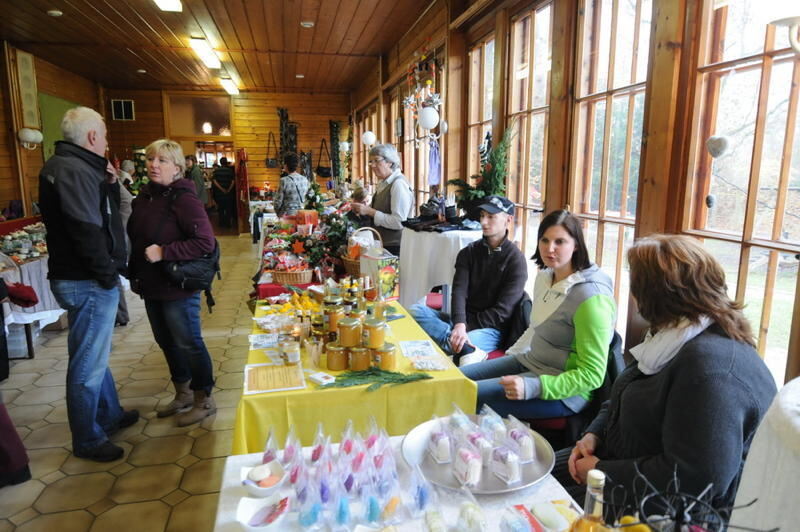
[487, 287]
[79, 200]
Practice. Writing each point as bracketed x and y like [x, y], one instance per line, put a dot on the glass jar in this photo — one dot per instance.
[349, 332]
[359, 358]
[332, 317]
[385, 357]
[336, 356]
[290, 353]
[332, 301]
[360, 315]
[374, 333]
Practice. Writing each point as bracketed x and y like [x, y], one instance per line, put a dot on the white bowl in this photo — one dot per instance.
[248, 507]
[276, 469]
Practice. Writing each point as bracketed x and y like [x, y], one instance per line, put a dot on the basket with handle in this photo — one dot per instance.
[353, 266]
[296, 277]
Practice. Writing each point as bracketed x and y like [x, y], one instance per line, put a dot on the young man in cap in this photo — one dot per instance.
[488, 284]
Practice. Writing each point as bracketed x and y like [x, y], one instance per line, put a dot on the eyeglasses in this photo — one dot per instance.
[376, 161]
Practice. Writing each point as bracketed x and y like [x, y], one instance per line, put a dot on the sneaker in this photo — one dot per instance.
[105, 452]
[477, 355]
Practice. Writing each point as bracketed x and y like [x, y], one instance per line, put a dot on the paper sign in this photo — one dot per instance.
[262, 378]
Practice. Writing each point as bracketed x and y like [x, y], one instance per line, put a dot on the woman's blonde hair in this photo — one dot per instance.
[171, 150]
[675, 277]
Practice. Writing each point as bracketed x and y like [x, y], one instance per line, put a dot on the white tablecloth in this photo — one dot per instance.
[428, 259]
[770, 472]
[32, 273]
[231, 492]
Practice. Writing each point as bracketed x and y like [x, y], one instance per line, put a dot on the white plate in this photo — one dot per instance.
[276, 468]
[415, 451]
[249, 507]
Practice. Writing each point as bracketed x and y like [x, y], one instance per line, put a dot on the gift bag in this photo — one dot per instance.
[324, 171]
[272, 162]
[384, 268]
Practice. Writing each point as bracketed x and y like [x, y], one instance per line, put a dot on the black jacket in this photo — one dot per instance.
[697, 415]
[80, 209]
[488, 284]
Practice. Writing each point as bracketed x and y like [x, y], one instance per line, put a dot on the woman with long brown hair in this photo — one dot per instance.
[692, 399]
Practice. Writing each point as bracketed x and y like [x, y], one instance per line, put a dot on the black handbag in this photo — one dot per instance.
[194, 274]
[272, 162]
[324, 171]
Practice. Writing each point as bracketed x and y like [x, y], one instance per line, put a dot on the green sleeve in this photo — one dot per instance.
[586, 365]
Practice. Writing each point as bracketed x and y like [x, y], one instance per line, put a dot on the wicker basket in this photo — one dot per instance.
[353, 266]
[298, 277]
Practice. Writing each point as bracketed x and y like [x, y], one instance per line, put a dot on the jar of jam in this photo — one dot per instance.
[349, 332]
[332, 317]
[385, 357]
[360, 315]
[332, 301]
[336, 356]
[359, 358]
[374, 333]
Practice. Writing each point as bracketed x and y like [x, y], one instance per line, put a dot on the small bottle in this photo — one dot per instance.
[592, 518]
[380, 307]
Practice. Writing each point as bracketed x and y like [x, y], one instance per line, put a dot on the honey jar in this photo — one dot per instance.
[336, 356]
[332, 317]
[359, 358]
[349, 332]
[374, 333]
[385, 357]
[360, 315]
[332, 301]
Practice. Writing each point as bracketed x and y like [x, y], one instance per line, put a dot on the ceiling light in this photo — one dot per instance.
[299, 76]
[205, 52]
[229, 85]
[169, 5]
[307, 24]
[141, 71]
[55, 12]
[206, 127]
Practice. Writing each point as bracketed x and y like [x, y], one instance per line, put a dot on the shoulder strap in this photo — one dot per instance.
[171, 197]
[271, 141]
[323, 146]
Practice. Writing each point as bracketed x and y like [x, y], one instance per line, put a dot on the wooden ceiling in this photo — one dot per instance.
[261, 43]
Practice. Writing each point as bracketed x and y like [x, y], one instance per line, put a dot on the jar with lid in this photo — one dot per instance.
[332, 317]
[359, 358]
[385, 357]
[360, 315]
[336, 356]
[349, 332]
[290, 353]
[374, 333]
[332, 301]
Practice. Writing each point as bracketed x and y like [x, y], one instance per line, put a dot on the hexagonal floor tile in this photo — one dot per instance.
[149, 372]
[52, 435]
[194, 513]
[120, 361]
[135, 517]
[17, 498]
[58, 415]
[146, 388]
[164, 426]
[55, 378]
[147, 483]
[26, 415]
[154, 359]
[224, 419]
[230, 381]
[36, 365]
[78, 521]
[41, 396]
[76, 466]
[18, 380]
[165, 450]
[213, 444]
[74, 492]
[227, 398]
[204, 476]
[45, 461]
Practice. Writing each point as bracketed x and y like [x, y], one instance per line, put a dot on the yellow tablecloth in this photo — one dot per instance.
[396, 408]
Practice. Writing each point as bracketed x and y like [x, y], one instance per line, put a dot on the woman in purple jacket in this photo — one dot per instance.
[169, 223]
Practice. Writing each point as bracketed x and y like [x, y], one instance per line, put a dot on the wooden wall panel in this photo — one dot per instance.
[9, 184]
[256, 114]
[123, 136]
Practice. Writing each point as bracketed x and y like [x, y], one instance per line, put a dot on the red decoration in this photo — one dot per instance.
[298, 247]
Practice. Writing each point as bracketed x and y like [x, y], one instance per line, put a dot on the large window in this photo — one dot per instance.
[480, 95]
[613, 46]
[528, 101]
[366, 120]
[744, 200]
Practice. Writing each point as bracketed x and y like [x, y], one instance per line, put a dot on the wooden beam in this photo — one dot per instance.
[456, 85]
[500, 95]
[471, 12]
[15, 112]
[562, 91]
[793, 364]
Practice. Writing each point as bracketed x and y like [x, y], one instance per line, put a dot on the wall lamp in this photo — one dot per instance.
[30, 138]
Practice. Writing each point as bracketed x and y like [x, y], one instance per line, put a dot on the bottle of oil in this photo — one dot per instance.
[592, 518]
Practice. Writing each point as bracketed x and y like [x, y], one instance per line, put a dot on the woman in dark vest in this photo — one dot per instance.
[393, 201]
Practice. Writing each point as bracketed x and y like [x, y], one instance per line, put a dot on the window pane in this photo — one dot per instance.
[598, 133]
[474, 158]
[590, 235]
[596, 46]
[474, 85]
[791, 218]
[541, 58]
[635, 155]
[622, 285]
[617, 156]
[745, 26]
[488, 79]
[783, 296]
[516, 157]
[532, 227]
[643, 51]
[610, 248]
[538, 136]
[736, 118]
[520, 66]
[772, 154]
[623, 55]
[727, 253]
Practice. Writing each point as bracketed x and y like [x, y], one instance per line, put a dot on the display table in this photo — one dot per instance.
[231, 491]
[265, 290]
[398, 409]
[770, 471]
[428, 259]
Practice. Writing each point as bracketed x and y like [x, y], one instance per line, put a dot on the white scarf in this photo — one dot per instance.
[659, 349]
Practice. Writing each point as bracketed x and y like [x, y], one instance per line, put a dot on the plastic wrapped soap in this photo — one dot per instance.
[492, 423]
[470, 518]
[440, 447]
[522, 436]
[270, 514]
[459, 420]
[435, 522]
[505, 465]
[259, 473]
[547, 514]
[467, 465]
[483, 445]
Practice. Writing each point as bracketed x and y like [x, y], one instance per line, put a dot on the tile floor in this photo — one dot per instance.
[169, 476]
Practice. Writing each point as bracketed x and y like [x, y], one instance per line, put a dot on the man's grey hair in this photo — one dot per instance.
[78, 122]
[389, 154]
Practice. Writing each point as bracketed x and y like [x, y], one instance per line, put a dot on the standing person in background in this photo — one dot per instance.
[126, 171]
[291, 195]
[393, 202]
[195, 174]
[79, 201]
[125, 199]
[169, 223]
[224, 183]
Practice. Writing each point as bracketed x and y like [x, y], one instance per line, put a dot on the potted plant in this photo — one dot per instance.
[491, 180]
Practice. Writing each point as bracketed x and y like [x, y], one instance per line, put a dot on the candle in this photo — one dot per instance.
[349, 332]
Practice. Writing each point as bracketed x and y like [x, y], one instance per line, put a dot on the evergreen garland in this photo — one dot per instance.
[375, 377]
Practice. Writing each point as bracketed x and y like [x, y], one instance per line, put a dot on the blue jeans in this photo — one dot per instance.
[176, 327]
[490, 392]
[93, 407]
[438, 326]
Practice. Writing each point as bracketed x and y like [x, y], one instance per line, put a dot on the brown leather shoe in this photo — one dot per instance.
[203, 407]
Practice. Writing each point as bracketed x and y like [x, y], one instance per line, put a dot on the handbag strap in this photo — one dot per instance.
[171, 197]
[271, 141]
[323, 145]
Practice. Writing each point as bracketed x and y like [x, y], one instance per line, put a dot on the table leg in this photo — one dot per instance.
[446, 299]
[29, 340]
